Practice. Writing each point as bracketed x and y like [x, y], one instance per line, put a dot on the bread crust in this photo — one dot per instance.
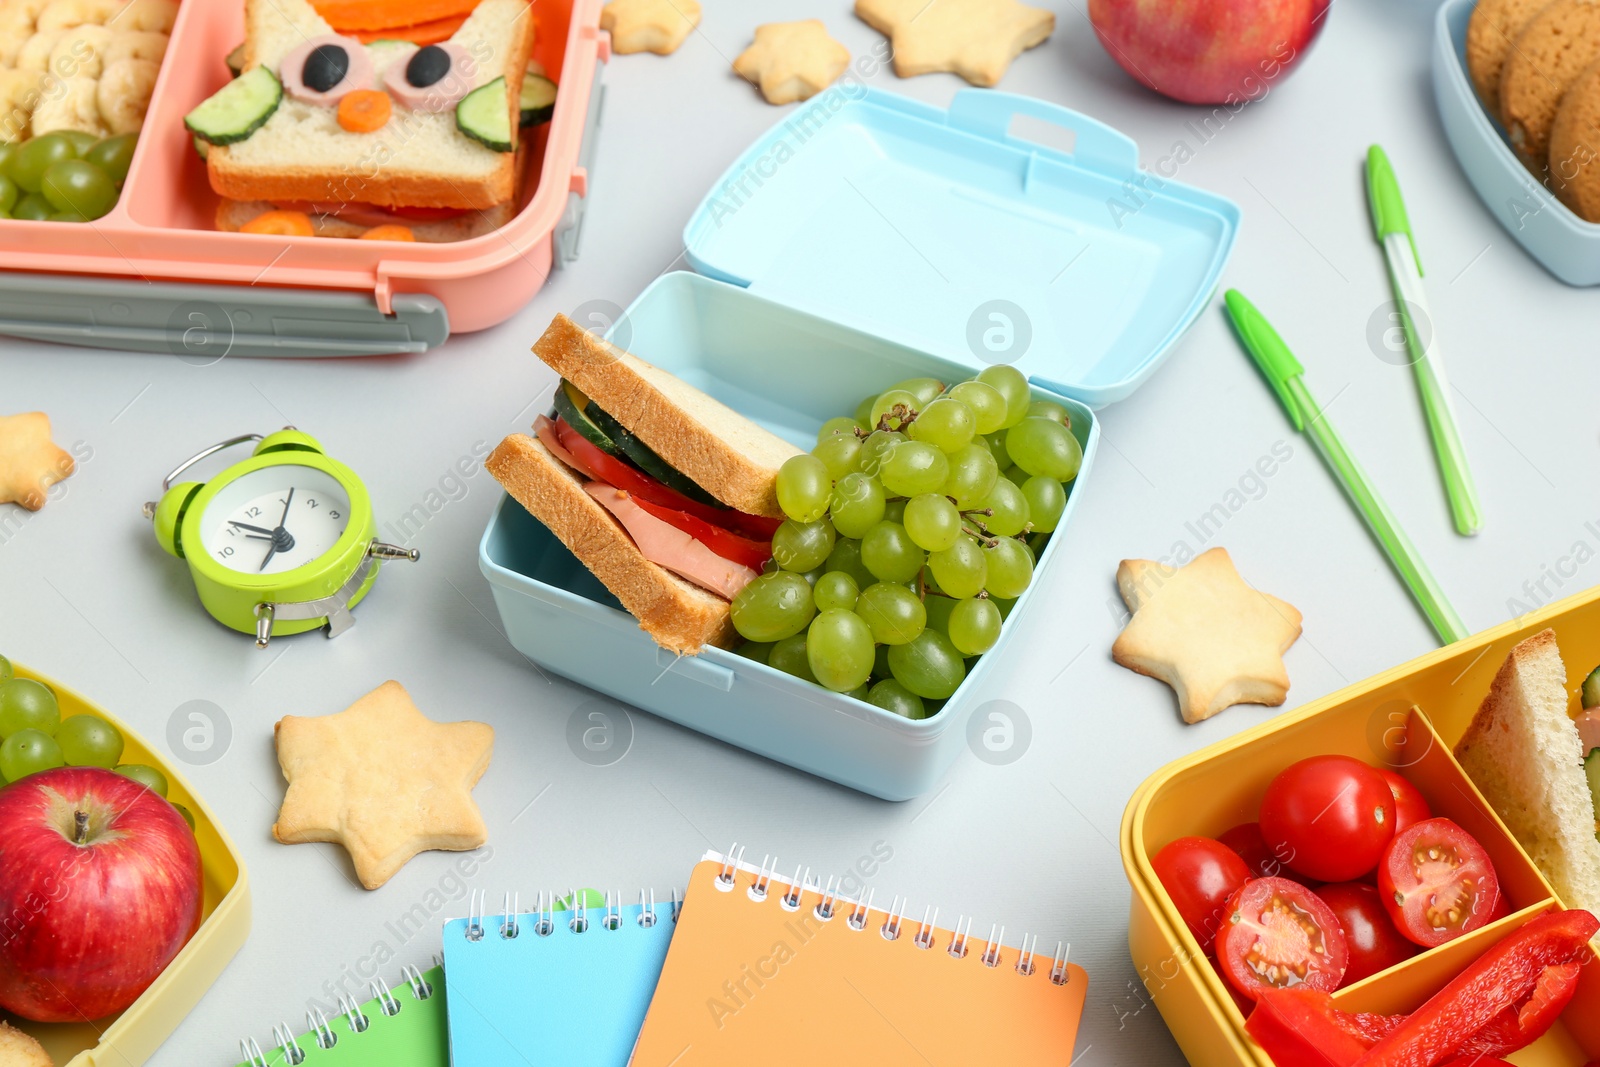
[724, 453]
[679, 616]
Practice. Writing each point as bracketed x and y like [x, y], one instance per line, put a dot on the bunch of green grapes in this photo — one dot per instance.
[912, 528]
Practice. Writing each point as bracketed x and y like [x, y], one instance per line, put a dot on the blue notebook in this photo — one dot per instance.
[554, 986]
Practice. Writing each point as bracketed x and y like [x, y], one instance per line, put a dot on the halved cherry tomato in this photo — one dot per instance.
[1330, 817]
[1410, 806]
[1200, 875]
[1280, 935]
[1375, 945]
[725, 543]
[1246, 840]
[632, 480]
[1437, 882]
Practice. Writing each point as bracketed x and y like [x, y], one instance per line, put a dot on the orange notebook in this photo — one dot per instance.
[760, 972]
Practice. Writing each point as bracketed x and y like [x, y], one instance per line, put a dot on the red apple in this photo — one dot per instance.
[1208, 51]
[99, 889]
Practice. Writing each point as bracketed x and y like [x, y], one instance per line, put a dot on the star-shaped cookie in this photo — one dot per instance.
[976, 39]
[658, 26]
[30, 462]
[792, 60]
[1205, 632]
[383, 780]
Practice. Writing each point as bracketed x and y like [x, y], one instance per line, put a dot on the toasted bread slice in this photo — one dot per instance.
[419, 159]
[1523, 753]
[723, 452]
[679, 615]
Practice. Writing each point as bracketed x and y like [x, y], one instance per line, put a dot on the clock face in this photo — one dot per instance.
[275, 519]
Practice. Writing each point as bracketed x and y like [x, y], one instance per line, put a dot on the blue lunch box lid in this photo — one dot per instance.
[942, 230]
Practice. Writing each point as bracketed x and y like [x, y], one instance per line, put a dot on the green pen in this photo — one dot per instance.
[1393, 228]
[1284, 374]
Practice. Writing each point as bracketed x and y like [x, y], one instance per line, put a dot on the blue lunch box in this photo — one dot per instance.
[869, 238]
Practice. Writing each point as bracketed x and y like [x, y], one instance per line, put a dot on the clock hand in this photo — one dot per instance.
[286, 504]
[247, 526]
[280, 535]
[257, 537]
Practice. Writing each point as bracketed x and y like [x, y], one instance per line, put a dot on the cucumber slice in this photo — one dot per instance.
[483, 116]
[238, 109]
[235, 60]
[202, 149]
[1591, 767]
[538, 99]
[1591, 689]
[645, 458]
[573, 406]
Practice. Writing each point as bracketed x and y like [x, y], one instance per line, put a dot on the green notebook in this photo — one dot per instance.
[400, 1027]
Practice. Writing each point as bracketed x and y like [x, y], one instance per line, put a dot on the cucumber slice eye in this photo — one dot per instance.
[538, 99]
[238, 109]
[483, 116]
[1591, 689]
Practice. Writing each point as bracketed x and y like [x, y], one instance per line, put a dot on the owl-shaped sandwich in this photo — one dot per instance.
[357, 136]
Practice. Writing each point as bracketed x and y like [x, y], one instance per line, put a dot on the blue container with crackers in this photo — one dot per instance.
[863, 241]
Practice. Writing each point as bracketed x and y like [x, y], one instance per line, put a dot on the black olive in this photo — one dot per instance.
[325, 67]
[428, 66]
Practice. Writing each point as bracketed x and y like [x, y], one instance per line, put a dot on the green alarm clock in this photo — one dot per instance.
[279, 544]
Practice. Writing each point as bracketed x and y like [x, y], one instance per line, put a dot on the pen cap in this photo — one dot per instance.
[1277, 363]
[1388, 206]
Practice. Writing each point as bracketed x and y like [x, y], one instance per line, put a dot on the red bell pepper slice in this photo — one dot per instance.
[1300, 1028]
[725, 543]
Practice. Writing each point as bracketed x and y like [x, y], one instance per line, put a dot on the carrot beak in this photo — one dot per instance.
[365, 110]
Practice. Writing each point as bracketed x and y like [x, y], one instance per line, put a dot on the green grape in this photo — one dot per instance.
[890, 695]
[1009, 507]
[28, 705]
[35, 157]
[1049, 409]
[1009, 567]
[890, 554]
[7, 672]
[1010, 384]
[973, 472]
[789, 656]
[863, 413]
[1047, 499]
[802, 546]
[804, 488]
[813, 574]
[839, 647]
[924, 389]
[148, 777]
[68, 216]
[81, 140]
[878, 445]
[929, 666]
[773, 607]
[1040, 446]
[932, 522]
[895, 510]
[861, 691]
[836, 589]
[28, 752]
[894, 613]
[756, 650]
[939, 609]
[880, 662]
[961, 569]
[834, 427]
[9, 193]
[974, 626]
[113, 155]
[913, 467]
[8, 152]
[841, 454]
[947, 424]
[33, 207]
[858, 502]
[846, 557]
[1004, 605]
[1002, 458]
[188, 816]
[988, 406]
[892, 409]
[89, 741]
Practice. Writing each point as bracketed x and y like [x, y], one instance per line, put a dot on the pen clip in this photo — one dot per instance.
[1268, 351]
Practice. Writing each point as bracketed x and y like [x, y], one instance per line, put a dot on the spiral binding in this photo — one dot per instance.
[858, 915]
[322, 1033]
[542, 919]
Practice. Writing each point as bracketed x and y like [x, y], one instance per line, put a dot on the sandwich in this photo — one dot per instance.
[1525, 754]
[321, 133]
[665, 494]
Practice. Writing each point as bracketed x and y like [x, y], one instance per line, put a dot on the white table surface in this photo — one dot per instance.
[86, 596]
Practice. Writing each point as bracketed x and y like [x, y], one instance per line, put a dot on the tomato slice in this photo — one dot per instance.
[1410, 806]
[1375, 944]
[725, 543]
[634, 481]
[1280, 935]
[1200, 875]
[1437, 882]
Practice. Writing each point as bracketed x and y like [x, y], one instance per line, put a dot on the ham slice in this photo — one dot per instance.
[1589, 730]
[544, 428]
[667, 546]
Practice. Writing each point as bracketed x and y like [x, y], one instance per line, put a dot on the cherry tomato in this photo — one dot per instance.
[1437, 882]
[1200, 875]
[1410, 806]
[1330, 817]
[1246, 840]
[1375, 945]
[1279, 935]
